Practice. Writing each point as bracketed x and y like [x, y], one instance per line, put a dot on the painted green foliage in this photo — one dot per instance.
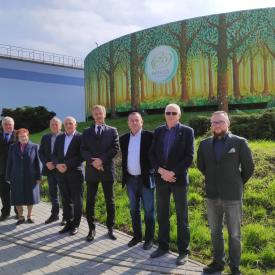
[221, 57]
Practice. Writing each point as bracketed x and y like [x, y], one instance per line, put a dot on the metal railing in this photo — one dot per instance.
[40, 56]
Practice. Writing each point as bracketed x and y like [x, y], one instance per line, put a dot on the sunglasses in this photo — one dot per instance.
[171, 113]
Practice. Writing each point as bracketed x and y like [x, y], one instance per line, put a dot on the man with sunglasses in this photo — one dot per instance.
[171, 154]
[226, 162]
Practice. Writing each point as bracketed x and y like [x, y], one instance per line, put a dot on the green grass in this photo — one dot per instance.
[258, 255]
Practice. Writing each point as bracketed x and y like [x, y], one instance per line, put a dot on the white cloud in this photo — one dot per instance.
[73, 27]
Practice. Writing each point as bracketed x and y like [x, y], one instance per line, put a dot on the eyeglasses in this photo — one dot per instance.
[217, 122]
[171, 113]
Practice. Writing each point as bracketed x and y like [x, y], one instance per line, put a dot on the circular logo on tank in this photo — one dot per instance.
[161, 64]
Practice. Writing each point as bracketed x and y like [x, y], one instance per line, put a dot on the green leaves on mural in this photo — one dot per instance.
[220, 57]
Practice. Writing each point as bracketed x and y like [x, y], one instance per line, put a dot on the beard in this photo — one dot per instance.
[220, 134]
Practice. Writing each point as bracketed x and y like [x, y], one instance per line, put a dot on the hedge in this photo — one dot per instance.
[250, 126]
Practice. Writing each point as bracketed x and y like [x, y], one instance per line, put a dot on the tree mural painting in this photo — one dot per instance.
[110, 61]
[184, 34]
[225, 47]
[222, 58]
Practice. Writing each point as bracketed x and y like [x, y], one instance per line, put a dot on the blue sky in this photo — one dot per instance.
[73, 27]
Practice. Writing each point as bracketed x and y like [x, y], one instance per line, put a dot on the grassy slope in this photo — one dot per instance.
[259, 201]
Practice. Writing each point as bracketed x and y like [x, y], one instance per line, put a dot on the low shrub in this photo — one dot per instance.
[250, 126]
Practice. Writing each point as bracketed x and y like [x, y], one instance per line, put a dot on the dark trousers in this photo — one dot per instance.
[137, 192]
[108, 191]
[163, 195]
[5, 196]
[71, 189]
[53, 192]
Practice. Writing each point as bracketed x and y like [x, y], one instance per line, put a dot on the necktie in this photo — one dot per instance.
[6, 138]
[98, 132]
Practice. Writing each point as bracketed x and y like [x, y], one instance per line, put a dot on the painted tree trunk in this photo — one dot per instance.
[134, 73]
[236, 81]
[210, 80]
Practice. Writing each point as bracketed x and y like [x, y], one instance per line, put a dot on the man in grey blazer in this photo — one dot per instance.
[227, 164]
[99, 146]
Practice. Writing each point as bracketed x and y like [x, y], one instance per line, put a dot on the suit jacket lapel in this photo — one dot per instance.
[161, 138]
[62, 145]
[225, 149]
[178, 136]
[226, 146]
[49, 143]
[71, 143]
[18, 149]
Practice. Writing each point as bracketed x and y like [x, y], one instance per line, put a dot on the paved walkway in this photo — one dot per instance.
[39, 249]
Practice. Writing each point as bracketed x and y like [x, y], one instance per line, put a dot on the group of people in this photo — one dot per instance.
[150, 161]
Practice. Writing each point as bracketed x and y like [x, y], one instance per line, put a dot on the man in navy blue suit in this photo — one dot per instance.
[171, 154]
[45, 154]
[69, 164]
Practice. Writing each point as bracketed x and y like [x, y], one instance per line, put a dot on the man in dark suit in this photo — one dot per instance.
[69, 165]
[226, 162]
[7, 137]
[135, 175]
[171, 155]
[45, 154]
[99, 146]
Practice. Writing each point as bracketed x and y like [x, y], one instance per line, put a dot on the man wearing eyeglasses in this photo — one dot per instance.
[171, 154]
[226, 162]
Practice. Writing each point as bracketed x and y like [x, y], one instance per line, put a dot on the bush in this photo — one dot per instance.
[200, 124]
[35, 119]
[250, 126]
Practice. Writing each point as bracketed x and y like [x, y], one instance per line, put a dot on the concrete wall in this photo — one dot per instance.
[59, 89]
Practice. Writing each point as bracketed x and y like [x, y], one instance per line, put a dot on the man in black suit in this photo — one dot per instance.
[69, 165]
[135, 175]
[7, 137]
[227, 164]
[171, 155]
[45, 154]
[99, 146]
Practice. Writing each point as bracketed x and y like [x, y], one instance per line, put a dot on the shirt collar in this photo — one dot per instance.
[173, 128]
[222, 138]
[71, 135]
[137, 134]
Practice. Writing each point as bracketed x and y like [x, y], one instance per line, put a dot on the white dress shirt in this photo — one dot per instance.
[133, 159]
[68, 139]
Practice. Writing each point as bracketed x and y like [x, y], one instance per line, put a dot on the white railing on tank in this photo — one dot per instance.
[41, 56]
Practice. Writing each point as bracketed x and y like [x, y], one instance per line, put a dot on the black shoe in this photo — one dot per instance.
[91, 235]
[147, 245]
[158, 253]
[74, 231]
[51, 219]
[63, 222]
[20, 221]
[30, 220]
[111, 235]
[65, 229]
[182, 259]
[134, 241]
[235, 271]
[212, 268]
[3, 217]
